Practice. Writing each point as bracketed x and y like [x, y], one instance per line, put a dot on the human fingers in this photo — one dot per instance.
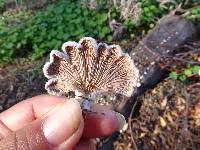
[51, 131]
[102, 122]
[29, 110]
[85, 144]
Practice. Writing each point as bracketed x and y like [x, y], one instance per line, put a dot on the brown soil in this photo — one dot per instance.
[169, 117]
[22, 80]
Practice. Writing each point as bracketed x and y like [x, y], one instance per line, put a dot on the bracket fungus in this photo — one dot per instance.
[89, 69]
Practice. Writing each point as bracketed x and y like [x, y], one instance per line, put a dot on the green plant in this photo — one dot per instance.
[2, 3]
[49, 28]
[193, 13]
[184, 74]
[15, 17]
[11, 33]
[150, 13]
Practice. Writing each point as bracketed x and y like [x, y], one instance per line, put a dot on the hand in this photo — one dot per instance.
[49, 122]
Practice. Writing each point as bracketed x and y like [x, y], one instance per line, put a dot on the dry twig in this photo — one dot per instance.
[130, 126]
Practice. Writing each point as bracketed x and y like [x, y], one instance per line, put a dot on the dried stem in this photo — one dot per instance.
[130, 126]
[184, 132]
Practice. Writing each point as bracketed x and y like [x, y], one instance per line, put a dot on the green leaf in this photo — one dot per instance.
[18, 45]
[146, 9]
[49, 27]
[183, 78]
[173, 75]
[10, 45]
[106, 30]
[187, 72]
[102, 18]
[196, 70]
[109, 38]
[151, 25]
[92, 23]
[101, 35]
[152, 7]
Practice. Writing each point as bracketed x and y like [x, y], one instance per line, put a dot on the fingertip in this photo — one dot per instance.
[104, 125]
[74, 139]
[85, 144]
[105, 122]
[63, 122]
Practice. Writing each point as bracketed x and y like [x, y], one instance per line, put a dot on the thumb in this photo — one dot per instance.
[61, 128]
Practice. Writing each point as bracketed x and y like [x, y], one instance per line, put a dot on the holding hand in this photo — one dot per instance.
[50, 122]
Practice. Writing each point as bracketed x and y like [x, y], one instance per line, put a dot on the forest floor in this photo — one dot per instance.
[169, 117]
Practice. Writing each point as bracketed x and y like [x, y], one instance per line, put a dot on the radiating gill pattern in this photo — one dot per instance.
[88, 68]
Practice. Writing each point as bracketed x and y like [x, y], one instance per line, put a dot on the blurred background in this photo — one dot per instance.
[30, 29]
